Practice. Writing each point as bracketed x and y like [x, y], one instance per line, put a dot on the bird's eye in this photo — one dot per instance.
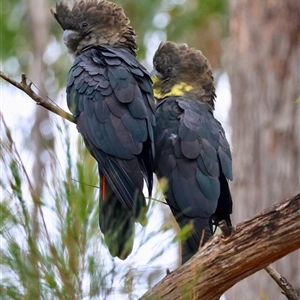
[170, 70]
[84, 25]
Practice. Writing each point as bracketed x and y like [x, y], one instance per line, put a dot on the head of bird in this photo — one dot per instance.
[182, 71]
[93, 23]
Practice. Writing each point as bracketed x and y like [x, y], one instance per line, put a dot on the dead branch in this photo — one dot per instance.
[26, 88]
[287, 288]
[224, 261]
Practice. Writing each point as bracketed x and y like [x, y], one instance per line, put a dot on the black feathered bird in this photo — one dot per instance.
[110, 95]
[192, 152]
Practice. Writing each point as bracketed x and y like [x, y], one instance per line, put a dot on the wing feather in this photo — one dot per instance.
[109, 93]
[192, 153]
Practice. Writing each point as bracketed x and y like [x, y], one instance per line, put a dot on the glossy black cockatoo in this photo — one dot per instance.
[110, 94]
[192, 152]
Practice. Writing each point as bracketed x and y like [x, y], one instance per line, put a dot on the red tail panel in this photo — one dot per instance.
[103, 187]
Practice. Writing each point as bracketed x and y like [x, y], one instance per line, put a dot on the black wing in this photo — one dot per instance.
[192, 153]
[110, 94]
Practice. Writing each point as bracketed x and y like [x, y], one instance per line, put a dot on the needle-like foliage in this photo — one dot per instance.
[51, 247]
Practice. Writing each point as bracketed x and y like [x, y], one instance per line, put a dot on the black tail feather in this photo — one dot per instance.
[117, 225]
[200, 233]
[224, 208]
[198, 238]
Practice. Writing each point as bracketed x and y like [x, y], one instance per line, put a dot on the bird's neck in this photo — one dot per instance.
[199, 93]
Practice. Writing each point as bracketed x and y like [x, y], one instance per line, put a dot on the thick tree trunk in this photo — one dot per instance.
[222, 262]
[264, 74]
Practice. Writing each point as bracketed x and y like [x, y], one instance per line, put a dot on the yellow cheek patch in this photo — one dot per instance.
[154, 79]
[178, 89]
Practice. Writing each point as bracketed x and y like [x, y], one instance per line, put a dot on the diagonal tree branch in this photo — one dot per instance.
[224, 261]
[287, 288]
[26, 87]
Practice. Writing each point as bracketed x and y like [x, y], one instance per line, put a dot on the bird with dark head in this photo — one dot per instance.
[94, 22]
[192, 152]
[111, 97]
[182, 71]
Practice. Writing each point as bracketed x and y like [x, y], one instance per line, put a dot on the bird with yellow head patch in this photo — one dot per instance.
[192, 152]
[110, 95]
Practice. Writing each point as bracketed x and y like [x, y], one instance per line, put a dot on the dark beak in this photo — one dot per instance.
[69, 35]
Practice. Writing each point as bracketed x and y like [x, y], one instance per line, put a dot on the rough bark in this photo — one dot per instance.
[263, 66]
[222, 262]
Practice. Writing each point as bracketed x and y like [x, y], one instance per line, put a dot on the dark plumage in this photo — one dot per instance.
[192, 152]
[110, 95]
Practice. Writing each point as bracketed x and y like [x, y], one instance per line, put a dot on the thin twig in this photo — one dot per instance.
[26, 88]
[287, 288]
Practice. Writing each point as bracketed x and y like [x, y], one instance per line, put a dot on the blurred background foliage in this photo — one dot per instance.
[51, 245]
[200, 23]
